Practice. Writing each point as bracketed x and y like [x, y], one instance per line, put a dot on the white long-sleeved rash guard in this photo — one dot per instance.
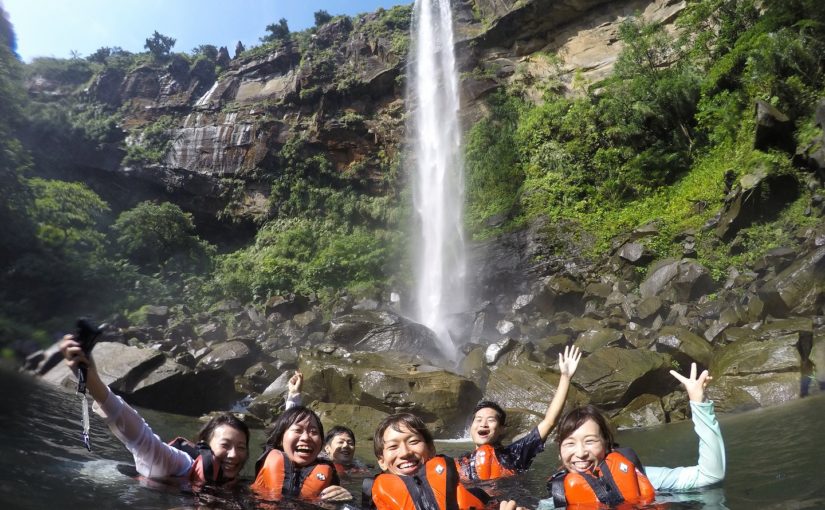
[153, 457]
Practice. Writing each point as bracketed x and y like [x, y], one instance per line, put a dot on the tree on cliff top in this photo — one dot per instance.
[322, 17]
[277, 31]
[159, 45]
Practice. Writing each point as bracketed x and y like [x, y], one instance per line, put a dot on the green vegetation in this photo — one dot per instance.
[160, 236]
[277, 31]
[159, 45]
[153, 143]
[654, 141]
[322, 17]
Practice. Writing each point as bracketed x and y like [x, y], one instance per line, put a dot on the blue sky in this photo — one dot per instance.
[56, 27]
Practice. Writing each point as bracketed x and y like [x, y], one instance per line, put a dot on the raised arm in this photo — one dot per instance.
[568, 362]
[711, 466]
[76, 358]
[153, 457]
[293, 394]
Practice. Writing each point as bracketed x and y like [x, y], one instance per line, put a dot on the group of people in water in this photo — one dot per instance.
[299, 461]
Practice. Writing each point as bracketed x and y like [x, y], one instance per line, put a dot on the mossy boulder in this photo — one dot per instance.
[389, 382]
[361, 419]
[643, 411]
[611, 376]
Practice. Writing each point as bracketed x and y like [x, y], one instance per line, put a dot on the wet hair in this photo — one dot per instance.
[229, 419]
[286, 420]
[484, 404]
[338, 430]
[396, 421]
[575, 418]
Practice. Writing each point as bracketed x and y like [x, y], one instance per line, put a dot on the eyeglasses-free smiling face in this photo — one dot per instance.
[584, 449]
[404, 451]
[302, 441]
[341, 448]
[485, 428]
[228, 445]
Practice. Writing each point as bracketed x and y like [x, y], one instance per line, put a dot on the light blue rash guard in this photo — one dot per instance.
[709, 470]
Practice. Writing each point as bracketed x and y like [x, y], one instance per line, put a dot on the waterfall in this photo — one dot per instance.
[438, 191]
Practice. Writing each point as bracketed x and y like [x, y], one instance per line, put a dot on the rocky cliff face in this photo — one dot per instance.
[339, 90]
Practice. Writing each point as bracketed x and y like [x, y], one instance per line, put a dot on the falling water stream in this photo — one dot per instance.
[438, 183]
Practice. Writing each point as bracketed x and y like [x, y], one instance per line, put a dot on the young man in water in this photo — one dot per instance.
[491, 460]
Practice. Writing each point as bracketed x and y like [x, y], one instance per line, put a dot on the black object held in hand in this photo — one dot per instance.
[86, 335]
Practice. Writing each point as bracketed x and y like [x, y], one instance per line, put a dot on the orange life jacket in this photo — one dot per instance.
[617, 480]
[435, 485]
[205, 469]
[482, 464]
[276, 476]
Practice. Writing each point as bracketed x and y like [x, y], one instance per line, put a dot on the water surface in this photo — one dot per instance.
[775, 458]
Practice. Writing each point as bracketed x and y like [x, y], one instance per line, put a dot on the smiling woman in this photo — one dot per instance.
[290, 465]
[217, 459]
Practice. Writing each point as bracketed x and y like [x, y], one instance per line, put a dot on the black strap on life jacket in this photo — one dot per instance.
[604, 487]
[366, 492]
[452, 483]
[421, 492]
[211, 468]
[293, 478]
[555, 488]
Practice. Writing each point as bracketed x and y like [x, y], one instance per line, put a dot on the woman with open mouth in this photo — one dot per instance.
[290, 467]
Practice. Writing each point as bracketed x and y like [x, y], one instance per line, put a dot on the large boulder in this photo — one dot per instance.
[747, 357]
[361, 419]
[175, 388]
[643, 411]
[147, 378]
[596, 338]
[234, 356]
[677, 281]
[119, 366]
[800, 288]
[758, 196]
[739, 393]
[390, 383]
[382, 331]
[522, 383]
[682, 343]
[614, 376]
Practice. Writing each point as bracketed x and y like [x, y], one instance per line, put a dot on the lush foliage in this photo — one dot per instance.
[305, 255]
[653, 142]
[153, 143]
[159, 45]
[160, 236]
[277, 31]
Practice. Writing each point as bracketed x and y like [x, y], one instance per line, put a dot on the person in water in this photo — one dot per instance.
[339, 447]
[595, 471]
[414, 477]
[290, 465]
[491, 460]
[223, 443]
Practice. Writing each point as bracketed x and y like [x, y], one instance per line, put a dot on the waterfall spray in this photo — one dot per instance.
[439, 181]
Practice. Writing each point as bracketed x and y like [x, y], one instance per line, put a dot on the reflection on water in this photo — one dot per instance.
[774, 458]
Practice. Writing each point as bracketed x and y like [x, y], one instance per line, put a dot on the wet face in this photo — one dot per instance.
[404, 451]
[485, 428]
[584, 449]
[302, 441]
[341, 448]
[229, 447]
